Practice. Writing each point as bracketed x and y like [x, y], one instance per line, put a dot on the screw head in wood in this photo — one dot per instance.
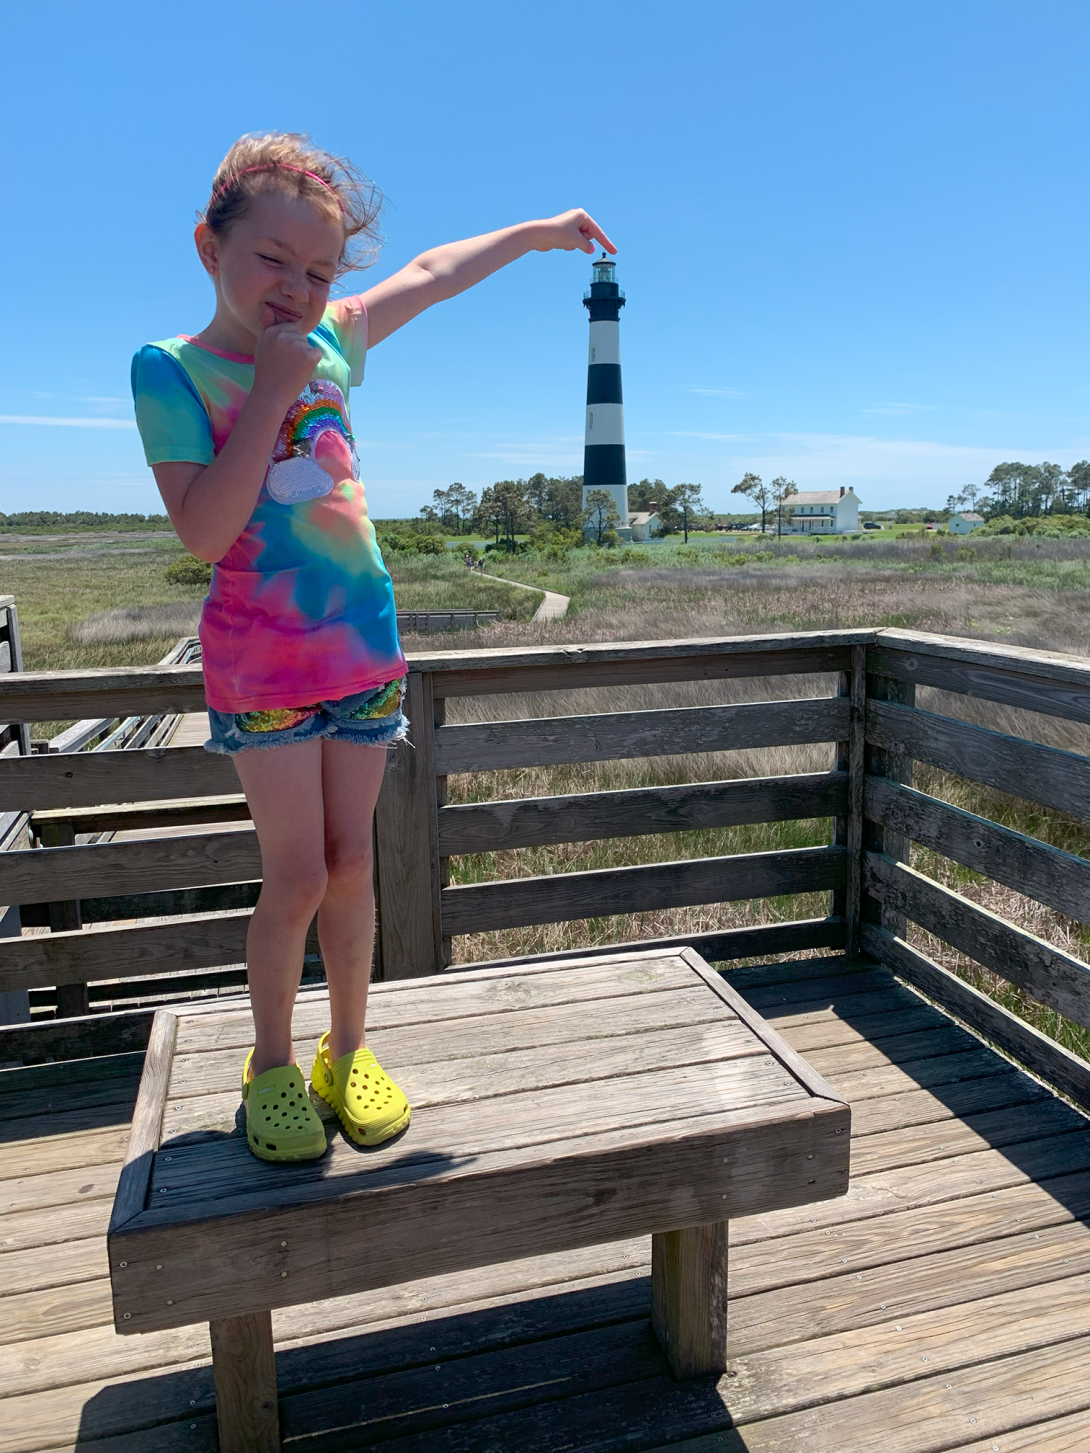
[122, 1263]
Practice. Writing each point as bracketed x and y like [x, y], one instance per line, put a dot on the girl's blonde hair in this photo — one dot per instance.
[292, 163]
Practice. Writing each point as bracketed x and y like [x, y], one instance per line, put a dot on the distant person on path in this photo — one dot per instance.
[247, 428]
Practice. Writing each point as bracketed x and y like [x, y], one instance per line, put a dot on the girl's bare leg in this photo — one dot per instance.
[351, 778]
[283, 788]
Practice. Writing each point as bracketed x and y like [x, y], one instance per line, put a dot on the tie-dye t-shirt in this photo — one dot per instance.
[301, 608]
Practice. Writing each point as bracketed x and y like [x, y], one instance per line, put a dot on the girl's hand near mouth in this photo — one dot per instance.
[284, 361]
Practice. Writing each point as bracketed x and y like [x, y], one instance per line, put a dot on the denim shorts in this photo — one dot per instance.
[371, 719]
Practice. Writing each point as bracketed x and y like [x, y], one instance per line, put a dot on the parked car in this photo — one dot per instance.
[871, 525]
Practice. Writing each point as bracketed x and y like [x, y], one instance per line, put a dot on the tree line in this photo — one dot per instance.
[544, 505]
[1025, 491]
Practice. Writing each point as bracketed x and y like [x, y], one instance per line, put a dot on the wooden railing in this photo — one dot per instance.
[873, 726]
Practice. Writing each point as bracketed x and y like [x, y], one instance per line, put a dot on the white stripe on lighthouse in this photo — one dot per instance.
[605, 424]
[605, 342]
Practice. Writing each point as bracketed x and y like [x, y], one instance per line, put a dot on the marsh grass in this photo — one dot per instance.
[1025, 592]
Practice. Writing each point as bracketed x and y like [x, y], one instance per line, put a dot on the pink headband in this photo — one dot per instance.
[271, 166]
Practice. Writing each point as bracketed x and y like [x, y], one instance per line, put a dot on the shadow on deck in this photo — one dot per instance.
[944, 1303]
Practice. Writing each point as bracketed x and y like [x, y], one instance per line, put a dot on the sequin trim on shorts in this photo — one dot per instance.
[383, 702]
[280, 719]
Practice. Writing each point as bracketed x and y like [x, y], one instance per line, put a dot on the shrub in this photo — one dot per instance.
[189, 571]
[411, 541]
[966, 552]
[634, 556]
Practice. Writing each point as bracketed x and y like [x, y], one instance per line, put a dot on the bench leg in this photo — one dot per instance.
[244, 1368]
[689, 1298]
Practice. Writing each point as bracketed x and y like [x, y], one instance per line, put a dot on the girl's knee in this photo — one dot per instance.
[348, 863]
[296, 894]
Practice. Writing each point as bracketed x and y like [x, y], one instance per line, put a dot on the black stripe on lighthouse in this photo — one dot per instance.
[603, 464]
[604, 383]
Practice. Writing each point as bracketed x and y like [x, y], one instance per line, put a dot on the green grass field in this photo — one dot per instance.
[1021, 592]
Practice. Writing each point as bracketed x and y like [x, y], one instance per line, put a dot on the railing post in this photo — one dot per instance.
[885, 762]
[846, 902]
[72, 999]
[407, 846]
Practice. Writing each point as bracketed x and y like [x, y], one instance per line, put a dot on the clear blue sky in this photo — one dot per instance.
[853, 236]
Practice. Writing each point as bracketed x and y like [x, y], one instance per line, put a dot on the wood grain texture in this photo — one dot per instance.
[1025, 769]
[1040, 1054]
[143, 866]
[407, 848]
[550, 741]
[717, 947]
[204, 941]
[244, 1368]
[1046, 973]
[481, 827]
[517, 902]
[1045, 681]
[689, 1298]
[113, 691]
[1026, 864]
[886, 760]
[853, 825]
[147, 1121]
[604, 1187]
[230, 807]
[505, 680]
[600, 653]
[93, 779]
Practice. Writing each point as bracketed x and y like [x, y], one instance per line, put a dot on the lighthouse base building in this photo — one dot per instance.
[603, 451]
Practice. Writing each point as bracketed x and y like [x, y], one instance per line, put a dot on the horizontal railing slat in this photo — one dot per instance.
[146, 865]
[1046, 775]
[519, 902]
[1060, 880]
[640, 671]
[1049, 975]
[551, 741]
[206, 941]
[91, 779]
[753, 941]
[1040, 1054]
[991, 683]
[142, 690]
[481, 827]
[113, 691]
[186, 813]
[218, 899]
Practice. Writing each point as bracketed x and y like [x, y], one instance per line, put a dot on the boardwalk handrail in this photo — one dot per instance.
[873, 720]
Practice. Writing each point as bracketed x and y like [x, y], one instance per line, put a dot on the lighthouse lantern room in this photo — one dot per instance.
[603, 453]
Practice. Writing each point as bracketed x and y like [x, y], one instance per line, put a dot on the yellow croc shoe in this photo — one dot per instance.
[281, 1123]
[370, 1106]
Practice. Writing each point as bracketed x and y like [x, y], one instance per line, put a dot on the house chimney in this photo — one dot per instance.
[652, 505]
[841, 491]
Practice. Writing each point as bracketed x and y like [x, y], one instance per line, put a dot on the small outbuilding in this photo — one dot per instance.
[643, 524]
[964, 522]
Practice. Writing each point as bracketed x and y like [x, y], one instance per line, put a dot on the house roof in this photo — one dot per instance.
[817, 497]
[969, 515]
[642, 517]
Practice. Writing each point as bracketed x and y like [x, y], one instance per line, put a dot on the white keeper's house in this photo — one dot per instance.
[821, 512]
[964, 522]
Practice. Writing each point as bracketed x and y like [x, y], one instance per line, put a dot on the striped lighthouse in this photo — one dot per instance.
[603, 451]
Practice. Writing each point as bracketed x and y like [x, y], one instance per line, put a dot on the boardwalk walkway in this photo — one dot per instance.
[944, 1304]
[553, 608]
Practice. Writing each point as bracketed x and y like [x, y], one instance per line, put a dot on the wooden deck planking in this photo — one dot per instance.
[953, 1184]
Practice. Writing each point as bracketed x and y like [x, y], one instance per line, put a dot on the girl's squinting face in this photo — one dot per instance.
[275, 265]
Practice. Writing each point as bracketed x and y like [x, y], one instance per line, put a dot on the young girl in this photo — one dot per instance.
[247, 429]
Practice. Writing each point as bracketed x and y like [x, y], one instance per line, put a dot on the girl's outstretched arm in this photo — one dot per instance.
[441, 272]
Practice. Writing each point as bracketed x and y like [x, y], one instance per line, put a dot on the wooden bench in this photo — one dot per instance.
[555, 1107]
